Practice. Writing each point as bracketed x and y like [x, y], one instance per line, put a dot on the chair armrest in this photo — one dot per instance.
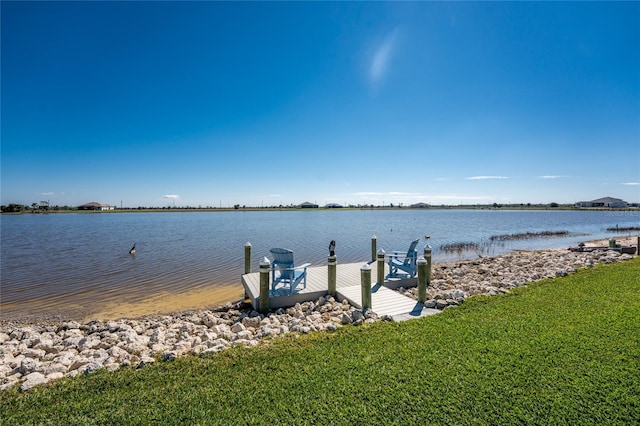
[397, 255]
[303, 266]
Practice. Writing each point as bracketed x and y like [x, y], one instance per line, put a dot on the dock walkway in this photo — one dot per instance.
[384, 301]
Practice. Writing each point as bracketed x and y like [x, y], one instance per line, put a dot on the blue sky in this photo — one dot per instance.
[215, 103]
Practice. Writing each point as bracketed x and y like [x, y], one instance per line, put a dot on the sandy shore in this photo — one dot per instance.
[167, 303]
[622, 240]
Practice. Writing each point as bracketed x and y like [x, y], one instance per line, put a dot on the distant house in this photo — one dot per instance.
[333, 206]
[419, 206]
[613, 203]
[95, 206]
[307, 205]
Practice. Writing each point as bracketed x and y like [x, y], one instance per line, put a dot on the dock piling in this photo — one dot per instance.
[380, 268]
[265, 304]
[247, 262]
[374, 241]
[331, 267]
[365, 283]
[427, 256]
[247, 258]
[422, 279]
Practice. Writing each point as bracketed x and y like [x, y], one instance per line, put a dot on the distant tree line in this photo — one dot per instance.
[41, 207]
[13, 208]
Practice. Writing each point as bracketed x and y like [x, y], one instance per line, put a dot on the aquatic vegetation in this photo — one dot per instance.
[479, 248]
[528, 235]
[624, 228]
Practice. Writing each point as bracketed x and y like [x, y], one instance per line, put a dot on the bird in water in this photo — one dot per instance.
[132, 250]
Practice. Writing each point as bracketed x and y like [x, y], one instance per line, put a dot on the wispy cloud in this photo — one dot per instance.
[171, 196]
[486, 177]
[631, 183]
[48, 193]
[551, 177]
[382, 57]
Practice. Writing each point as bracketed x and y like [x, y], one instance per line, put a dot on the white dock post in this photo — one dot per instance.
[374, 241]
[247, 258]
[265, 305]
[422, 279]
[331, 265]
[380, 266]
[427, 256]
[365, 284]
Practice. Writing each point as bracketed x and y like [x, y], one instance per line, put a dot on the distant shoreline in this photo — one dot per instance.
[351, 208]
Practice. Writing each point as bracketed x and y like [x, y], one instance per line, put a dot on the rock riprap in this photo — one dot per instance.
[35, 354]
[452, 282]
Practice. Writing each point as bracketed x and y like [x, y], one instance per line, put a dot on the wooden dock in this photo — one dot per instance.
[384, 300]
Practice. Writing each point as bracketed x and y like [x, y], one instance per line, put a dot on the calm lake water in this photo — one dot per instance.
[52, 262]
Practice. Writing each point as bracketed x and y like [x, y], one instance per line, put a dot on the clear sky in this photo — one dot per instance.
[269, 103]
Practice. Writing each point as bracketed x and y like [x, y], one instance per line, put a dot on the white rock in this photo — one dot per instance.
[145, 360]
[65, 358]
[251, 322]
[245, 335]
[158, 347]
[213, 349]
[358, 315]
[8, 385]
[6, 357]
[112, 366]
[78, 363]
[92, 367]
[117, 352]
[237, 327]
[33, 379]
[54, 367]
[209, 320]
[54, 376]
[221, 329]
[72, 332]
[28, 366]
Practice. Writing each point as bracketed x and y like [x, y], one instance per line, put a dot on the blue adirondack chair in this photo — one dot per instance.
[289, 275]
[404, 265]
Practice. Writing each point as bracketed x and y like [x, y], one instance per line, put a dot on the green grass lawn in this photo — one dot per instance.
[561, 351]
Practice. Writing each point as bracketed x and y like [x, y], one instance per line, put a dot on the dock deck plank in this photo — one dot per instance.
[384, 300]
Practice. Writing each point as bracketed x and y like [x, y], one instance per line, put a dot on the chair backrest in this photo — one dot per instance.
[283, 260]
[412, 253]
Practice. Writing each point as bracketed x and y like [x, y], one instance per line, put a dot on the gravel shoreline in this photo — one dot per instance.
[33, 354]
